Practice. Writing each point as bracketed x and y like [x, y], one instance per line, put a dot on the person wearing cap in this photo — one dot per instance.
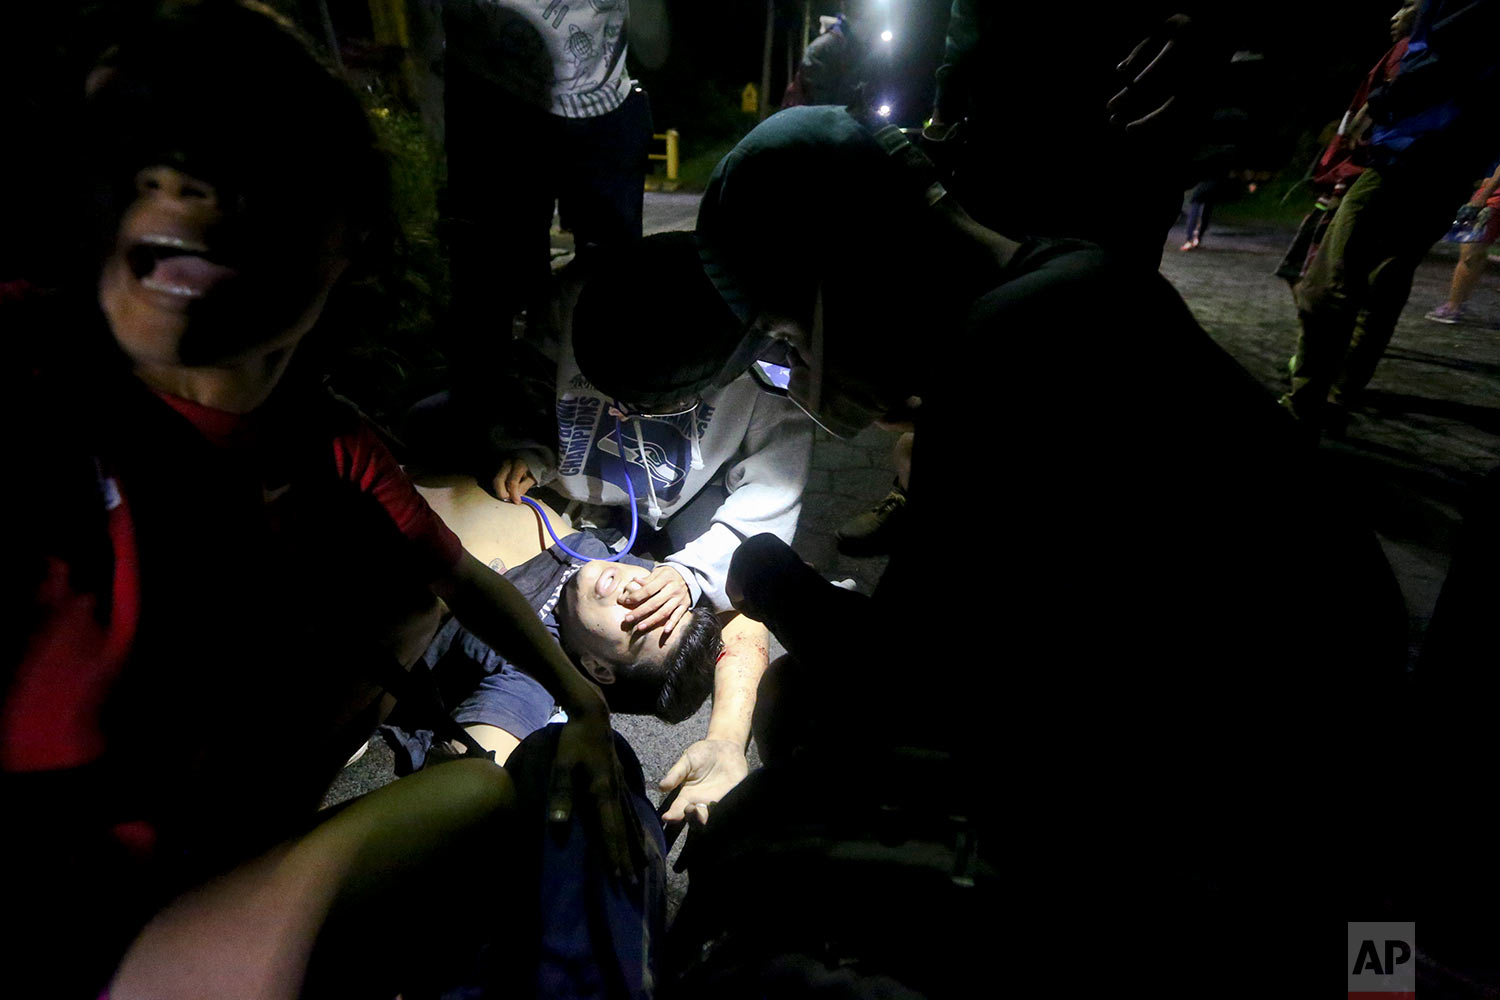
[621, 408]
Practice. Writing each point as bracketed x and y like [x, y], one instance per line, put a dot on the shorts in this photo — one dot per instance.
[482, 685]
[1486, 228]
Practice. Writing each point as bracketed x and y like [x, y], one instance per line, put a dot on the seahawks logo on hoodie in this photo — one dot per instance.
[661, 448]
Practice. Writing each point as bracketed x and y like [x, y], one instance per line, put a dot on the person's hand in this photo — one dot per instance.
[706, 772]
[659, 599]
[586, 762]
[1359, 124]
[1157, 72]
[513, 480]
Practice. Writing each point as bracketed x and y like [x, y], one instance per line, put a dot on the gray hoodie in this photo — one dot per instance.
[762, 442]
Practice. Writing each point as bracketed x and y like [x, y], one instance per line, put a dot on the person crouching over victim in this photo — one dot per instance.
[215, 559]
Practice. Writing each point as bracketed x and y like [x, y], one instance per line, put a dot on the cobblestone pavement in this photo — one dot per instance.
[1430, 425]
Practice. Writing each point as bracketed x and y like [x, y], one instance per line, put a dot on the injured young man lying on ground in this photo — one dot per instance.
[642, 671]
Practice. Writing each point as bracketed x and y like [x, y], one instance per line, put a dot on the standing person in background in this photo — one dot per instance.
[1345, 156]
[1202, 198]
[1432, 132]
[540, 112]
[835, 63]
[1200, 208]
[1480, 224]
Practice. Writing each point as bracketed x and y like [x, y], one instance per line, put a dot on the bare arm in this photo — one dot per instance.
[708, 769]
[736, 677]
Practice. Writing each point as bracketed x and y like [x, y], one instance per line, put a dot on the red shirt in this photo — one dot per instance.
[80, 641]
[1339, 164]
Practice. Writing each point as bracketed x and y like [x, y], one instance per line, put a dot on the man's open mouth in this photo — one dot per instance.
[175, 266]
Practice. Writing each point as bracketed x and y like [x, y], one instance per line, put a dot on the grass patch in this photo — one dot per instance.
[708, 117]
[1281, 202]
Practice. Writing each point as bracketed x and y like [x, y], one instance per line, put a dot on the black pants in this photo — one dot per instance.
[509, 164]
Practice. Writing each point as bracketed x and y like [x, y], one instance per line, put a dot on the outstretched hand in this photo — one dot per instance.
[705, 772]
[1157, 74]
[659, 599]
[586, 762]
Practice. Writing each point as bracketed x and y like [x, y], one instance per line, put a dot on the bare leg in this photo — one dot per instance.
[1471, 262]
[495, 739]
[251, 932]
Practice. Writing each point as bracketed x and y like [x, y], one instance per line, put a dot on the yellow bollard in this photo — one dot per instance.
[389, 22]
[670, 137]
[388, 18]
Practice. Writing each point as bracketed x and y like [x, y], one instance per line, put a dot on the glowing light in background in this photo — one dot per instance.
[884, 111]
[886, 35]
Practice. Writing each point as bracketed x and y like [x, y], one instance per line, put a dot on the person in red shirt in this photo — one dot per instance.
[221, 562]
[1481, 218]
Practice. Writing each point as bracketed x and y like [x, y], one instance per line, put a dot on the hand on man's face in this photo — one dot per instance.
[658, 600]
[602, 595]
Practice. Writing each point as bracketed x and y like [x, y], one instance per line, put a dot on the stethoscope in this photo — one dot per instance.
[635, 518]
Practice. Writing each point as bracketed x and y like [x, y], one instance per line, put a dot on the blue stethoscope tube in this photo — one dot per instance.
[635, 518]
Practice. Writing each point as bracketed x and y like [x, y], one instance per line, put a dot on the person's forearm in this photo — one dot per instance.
[816, 621]
[736, 679]
[489, 605]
